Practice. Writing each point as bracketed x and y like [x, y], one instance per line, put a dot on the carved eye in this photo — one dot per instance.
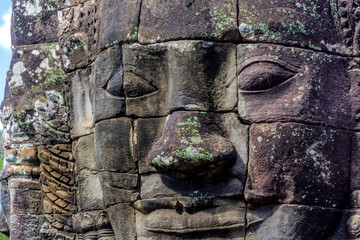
[260, 76]
[136, 86]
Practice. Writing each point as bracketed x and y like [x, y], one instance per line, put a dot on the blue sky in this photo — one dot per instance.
[5, 44]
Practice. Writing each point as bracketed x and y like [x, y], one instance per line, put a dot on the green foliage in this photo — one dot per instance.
[3, 237]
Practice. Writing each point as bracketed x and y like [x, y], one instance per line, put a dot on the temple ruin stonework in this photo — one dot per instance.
[182, 119]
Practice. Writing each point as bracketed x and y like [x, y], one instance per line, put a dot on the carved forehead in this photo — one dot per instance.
[326, 25]
[313, 24]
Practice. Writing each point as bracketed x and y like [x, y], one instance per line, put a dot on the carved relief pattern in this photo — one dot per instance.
[353, 226]
[93, 225]
[57, 227]
[57, 178]
[349, 12]
[346, 21]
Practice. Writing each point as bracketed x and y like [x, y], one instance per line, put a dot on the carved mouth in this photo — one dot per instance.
[186, 215]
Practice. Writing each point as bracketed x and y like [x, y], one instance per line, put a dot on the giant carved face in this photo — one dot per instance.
[230, 124]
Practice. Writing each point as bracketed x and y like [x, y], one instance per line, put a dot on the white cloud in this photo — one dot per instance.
[5, 39]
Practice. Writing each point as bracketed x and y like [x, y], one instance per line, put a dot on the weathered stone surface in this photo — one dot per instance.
[35, 69]
[40, 118]
[77, 35]
[81, 107]
[26, 226]
[297, 163]
[113, 145]
[278, 83]
[84, 154]
[25, 196]
[238, 134]
[28, 155]
[147, 131]
[354, 75]
[193, 75]
[5, 205]
[297, 23]
[34, 22]
[25, 155]
[190, 218]
[291, 222]
[122, 218]
[209, 20]
[89, 192]
[118, 21]
[119, 187]
[355, 166]
[108, 79]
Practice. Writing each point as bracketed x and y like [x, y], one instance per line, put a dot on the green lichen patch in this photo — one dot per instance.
[34, 21]
[221, 18]
[36, 69]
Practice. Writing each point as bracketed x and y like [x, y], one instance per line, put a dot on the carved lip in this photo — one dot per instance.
[222, 214]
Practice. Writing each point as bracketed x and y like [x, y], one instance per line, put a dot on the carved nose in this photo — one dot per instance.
[192, 147]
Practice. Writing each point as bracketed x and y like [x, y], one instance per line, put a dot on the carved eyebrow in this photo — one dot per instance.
[260, 59]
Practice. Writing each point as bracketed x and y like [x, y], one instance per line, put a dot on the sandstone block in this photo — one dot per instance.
[113, 145]
[118, 21]
[310, 24]
[84, 154]
[119, 187]
[89, 192]
[81, 96]
[108, 99]
[210, 20]
[298, 163]
[148, 131]
[122, 218]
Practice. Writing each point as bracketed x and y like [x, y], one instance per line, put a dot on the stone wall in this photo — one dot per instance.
[182, 119]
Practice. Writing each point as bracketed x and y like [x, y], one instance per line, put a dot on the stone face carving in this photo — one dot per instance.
[183, 119]
[188, 75]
